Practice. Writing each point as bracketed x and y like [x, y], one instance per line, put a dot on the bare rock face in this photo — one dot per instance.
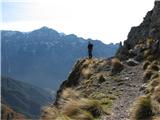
[149, 28]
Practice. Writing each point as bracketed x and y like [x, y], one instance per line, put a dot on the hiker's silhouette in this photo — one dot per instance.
[90, 48]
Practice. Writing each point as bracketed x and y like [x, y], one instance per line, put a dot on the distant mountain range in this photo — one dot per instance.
[24, 99]
[44, 57]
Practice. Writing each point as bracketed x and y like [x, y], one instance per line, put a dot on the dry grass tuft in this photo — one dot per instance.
[156, 94]
[87, 72]
[152, 85]
[73, 108]
[150, 42]
[69, 93]
[116, 65]
[156, 100]
[147, 53]
[50, 113]
[153, 67]
[156, 62]
[150, 58]
[147, 75]
[142, 109]
[146, 64]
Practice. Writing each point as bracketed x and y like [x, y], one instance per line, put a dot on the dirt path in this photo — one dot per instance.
[132, 77]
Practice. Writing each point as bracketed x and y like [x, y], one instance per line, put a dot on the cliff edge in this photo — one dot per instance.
[125, 87]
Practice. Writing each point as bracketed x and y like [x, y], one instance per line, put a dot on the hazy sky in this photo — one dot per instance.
[105, 20]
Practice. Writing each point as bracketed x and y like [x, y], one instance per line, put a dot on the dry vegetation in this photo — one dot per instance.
[117, 66]
[74, 107]
[8, 114]
[148, 106]
[142, 109]
[146, 64]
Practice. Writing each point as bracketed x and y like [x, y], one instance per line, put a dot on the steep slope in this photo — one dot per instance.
[95, 81]
[44, 57]
[110, 89]
[7, 113]
[149, 28]
[98, 89]
[24, 98]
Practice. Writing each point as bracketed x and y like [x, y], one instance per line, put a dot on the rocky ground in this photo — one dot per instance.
[132, 82]
[108, 92]
[124, 87]
[96, 81]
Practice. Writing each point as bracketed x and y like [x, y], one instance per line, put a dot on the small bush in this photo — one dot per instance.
[146, 64]
[142, 109]
[116, 65]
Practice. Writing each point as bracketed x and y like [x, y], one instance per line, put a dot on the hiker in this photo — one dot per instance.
[90, 48]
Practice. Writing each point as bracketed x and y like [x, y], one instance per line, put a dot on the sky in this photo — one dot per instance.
[105, 20]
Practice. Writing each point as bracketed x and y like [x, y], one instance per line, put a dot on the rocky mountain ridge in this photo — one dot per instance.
[149, 28]
[124, 87]
[44, 57]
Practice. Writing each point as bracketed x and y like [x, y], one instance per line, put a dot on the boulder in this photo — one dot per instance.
[132, 62]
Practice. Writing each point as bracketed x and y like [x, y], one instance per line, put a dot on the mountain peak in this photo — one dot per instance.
[45, 28]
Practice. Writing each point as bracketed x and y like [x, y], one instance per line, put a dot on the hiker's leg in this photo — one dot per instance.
[88, 54]
[91, 54]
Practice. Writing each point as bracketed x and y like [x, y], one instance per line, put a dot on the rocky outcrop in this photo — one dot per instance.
[126, 89]
[149, 28]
